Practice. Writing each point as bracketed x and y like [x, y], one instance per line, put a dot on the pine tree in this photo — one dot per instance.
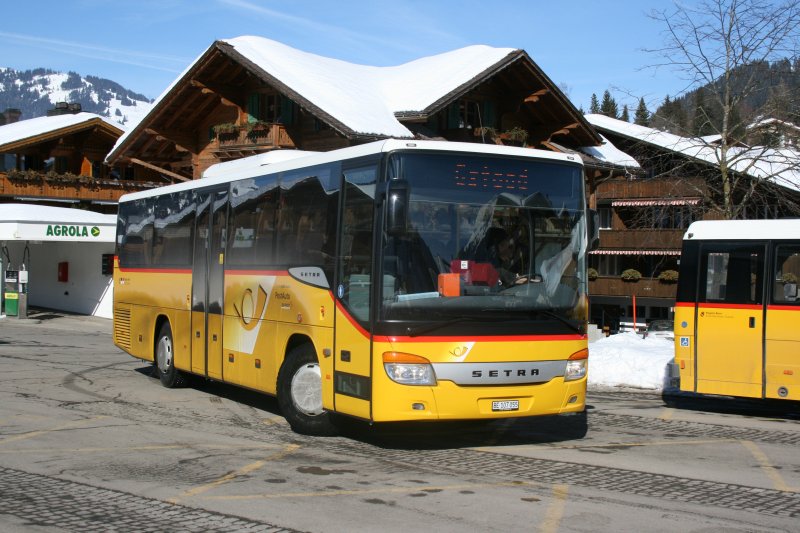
[594, 106]
[608, 107]
[625, 116]
[642, 115]
[701, 117]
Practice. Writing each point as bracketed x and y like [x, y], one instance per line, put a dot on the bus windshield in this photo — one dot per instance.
[487, 239]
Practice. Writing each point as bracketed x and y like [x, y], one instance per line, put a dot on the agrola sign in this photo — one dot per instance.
[56, 230]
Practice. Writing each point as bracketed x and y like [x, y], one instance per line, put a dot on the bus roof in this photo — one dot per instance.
[788, 228]
[272, 162]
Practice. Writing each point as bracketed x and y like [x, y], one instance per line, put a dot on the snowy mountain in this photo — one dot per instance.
[34, 92]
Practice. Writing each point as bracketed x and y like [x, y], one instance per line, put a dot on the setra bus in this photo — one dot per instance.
[738, 309]
[392, 281]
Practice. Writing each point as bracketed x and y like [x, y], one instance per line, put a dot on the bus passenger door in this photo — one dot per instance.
[782, 344]
[729, 332]
[352, 376]
[207, 282]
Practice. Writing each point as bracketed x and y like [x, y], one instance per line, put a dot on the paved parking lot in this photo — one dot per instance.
[89, 441]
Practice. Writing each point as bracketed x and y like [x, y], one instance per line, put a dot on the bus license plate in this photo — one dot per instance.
[505, 405]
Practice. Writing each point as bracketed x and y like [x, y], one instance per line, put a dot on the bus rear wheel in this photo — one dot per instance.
[165, 359]
[300, 393]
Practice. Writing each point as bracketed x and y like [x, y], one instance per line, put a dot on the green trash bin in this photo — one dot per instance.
[12, 303]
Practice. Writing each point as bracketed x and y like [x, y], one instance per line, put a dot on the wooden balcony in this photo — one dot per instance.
[645, 287]
[248, 138]
[68, 188]
[644, 239]
[651, 188]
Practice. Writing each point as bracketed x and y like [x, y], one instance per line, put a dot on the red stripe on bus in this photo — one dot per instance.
[157, 270]
[486, 338]
[783, 308]
[771, 307]
[352, 320]
[712, 305]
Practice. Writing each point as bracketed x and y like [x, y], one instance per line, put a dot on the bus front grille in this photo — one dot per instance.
[122, 327]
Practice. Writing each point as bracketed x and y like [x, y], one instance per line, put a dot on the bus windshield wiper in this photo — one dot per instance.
[563, 320]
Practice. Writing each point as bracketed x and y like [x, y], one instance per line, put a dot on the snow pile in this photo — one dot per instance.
[776, 165]
[628, 360]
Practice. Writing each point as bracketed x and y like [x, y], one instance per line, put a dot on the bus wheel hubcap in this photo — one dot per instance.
[307, 390]
[164, 354]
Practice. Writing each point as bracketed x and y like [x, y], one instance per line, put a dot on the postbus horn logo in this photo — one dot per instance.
[248, 311]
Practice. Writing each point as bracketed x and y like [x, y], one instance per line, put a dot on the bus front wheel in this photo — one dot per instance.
[300, 393]
[165, 359]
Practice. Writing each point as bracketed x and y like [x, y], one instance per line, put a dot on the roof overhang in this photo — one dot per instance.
[97, 124]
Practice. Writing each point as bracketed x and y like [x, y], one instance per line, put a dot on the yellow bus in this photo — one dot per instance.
[392, 281]
[737, 314]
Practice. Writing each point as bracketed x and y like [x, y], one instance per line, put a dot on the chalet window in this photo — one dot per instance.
[605, 214]
[272, 108]
[61, 164]
[470, 114]
[608, 265]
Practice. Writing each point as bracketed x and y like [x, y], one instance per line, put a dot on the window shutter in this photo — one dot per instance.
[287, 111]
[253, 107]
[489, 114]
[453, 121]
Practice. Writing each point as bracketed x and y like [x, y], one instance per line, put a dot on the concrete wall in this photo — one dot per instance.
[87, 292]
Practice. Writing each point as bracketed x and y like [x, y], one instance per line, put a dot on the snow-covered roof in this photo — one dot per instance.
[34, 127]
[608, 153]
[780, 166]
[773, 122]
[366, 98]
[360, 97]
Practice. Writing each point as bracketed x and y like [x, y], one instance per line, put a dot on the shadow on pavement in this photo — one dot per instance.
[763, 408]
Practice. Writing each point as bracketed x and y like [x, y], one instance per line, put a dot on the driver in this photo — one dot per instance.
[501, 254]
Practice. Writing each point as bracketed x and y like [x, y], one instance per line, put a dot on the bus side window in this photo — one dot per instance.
[734, 273]
[787, 274]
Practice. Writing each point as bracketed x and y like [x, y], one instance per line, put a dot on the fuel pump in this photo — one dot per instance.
[22, 308]
[3, 250]
[10, 286]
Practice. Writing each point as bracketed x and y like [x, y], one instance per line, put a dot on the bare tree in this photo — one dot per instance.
[715, 44]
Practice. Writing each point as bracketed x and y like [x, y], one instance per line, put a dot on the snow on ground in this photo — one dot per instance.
[628, 360]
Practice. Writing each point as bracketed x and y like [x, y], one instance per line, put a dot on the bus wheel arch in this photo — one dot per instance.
[164, 355]
[299, 390]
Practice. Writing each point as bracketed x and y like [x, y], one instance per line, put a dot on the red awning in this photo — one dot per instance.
[635, 252]
[659, 202]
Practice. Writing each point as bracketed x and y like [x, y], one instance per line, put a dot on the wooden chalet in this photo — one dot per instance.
[644, 215]
[58, 159]
[250, 95]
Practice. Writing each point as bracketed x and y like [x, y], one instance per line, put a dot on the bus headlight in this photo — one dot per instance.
[408, 369]
[577, 365]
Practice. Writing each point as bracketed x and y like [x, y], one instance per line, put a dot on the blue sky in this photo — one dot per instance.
[583, 45]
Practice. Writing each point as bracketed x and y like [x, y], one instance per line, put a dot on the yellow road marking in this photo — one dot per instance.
[233, 475]
[556, 509]
[765, 464]
[667, 413]
[356, 492]
[37, 433]
[620, 445]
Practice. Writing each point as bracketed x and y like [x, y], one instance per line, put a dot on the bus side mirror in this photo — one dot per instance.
[594, 229]
[397, 212]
